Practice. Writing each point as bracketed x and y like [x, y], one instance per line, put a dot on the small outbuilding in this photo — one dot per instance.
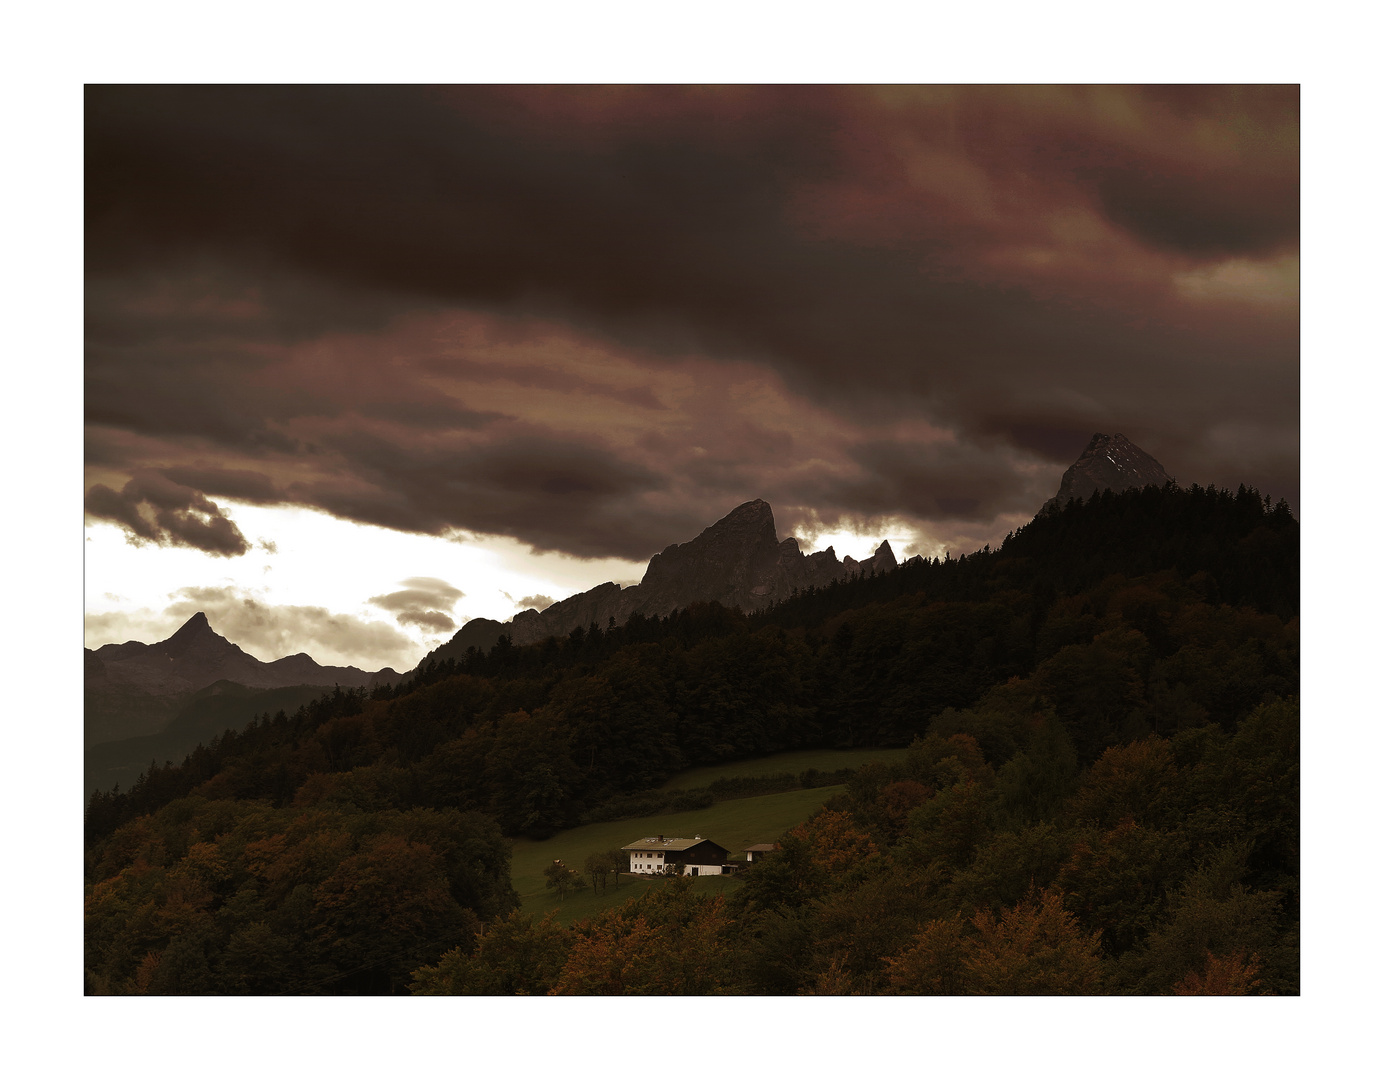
[659, 854]
[758, 851]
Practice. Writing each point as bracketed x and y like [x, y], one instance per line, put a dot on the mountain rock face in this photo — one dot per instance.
[1109, 461]
[738, 562]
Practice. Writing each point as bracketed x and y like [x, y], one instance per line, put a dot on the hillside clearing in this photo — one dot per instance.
[735, 824]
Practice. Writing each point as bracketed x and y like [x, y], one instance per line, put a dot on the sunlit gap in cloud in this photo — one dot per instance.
[313, 591]
[857, 543]
[934, 541]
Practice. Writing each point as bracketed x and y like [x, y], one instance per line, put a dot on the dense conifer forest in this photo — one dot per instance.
[1100, 796]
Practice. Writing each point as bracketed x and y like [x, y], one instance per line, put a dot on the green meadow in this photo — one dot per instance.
[734, 824]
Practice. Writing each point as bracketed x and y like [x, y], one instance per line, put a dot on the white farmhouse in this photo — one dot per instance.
[659, 854]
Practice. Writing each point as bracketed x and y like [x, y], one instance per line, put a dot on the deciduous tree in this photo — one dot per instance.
[563, 879]
[1224, 976]
[1035, 947]
[515, 955]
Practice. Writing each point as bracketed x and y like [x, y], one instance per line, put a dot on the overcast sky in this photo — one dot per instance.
[362, 363]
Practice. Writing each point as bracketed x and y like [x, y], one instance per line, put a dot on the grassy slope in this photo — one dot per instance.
[735, 824]
[585, 903]
[794, 761]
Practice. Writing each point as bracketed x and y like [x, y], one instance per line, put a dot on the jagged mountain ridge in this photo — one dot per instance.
[1109, 461]
[738, 562]
[197, 656]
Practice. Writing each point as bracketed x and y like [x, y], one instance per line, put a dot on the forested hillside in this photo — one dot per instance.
[1101, 794]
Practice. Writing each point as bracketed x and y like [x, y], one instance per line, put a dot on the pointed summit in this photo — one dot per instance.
[724, 560]
[883, 558]
[756, 510]
[748, 525]
[195, 639]
[194, 629]
[1109, 461]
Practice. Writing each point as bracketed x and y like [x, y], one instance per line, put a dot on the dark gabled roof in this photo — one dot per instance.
[670, 843]
[761, 847]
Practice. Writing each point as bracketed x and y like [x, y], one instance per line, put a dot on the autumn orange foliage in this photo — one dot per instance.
[679, 944]
[1225, 976]
[835, 841]
[1035, 947]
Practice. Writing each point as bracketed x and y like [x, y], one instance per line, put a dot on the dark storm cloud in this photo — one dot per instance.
[400, 196]
[242, 484]
[424, 603]
[1205, 171]
[175, 515]
[427, 414]
[178, 389]
[1055, 438]
[535, 377]
[1245, 204]
[1015, 267]
[1201, 215]
[924, 482]
[552, 493]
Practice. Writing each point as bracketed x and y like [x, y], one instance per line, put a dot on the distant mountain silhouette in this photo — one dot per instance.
[197, 656]
[739, 562]
[135, 689]
[1109, 461]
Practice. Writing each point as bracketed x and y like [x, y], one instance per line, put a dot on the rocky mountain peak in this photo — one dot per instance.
[722, 560]
[195, 626]
[197, 634]
[749, 524]
[756, 511]
[1109, 461]
[738, 562]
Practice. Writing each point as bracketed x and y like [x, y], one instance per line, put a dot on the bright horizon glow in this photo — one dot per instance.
[307, 582]
[859, 546]
[323, 562]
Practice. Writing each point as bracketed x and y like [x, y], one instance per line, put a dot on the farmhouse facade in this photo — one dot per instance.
[659, 854]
